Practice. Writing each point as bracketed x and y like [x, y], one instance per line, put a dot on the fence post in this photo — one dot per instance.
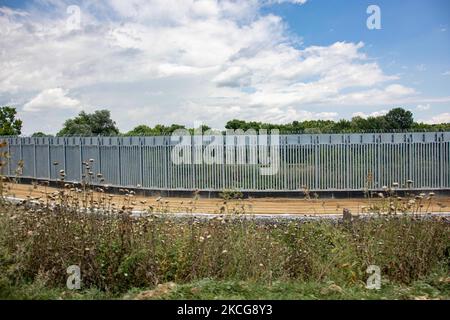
[166, 162]
[21, 148]
[316, 162]
[119, 162]
[64, 155]
[9, 155]
[141, 162]
[49, 159]
[285, 173]
[99, 149]
[441, 162]
[34, 158]
[81, 157]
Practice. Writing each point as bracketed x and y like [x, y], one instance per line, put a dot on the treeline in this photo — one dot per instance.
[398, 119]
[99, 123]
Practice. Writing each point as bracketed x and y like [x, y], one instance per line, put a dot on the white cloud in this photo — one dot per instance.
[446, 73]
[423, 107]
[207, 60]
[440, 118]
[373, 114]
[51, 99]
[287, 1]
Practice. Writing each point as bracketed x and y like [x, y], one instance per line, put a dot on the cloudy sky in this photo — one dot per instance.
[181, 61]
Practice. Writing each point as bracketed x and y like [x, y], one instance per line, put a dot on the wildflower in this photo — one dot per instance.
[395, 184]
[431, 194]
[224, 251]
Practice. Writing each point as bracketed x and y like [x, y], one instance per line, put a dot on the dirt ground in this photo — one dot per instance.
[255, 205]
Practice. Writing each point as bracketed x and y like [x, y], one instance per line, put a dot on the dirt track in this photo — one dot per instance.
[256, 206]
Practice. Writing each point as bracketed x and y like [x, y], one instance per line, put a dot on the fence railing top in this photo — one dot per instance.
[285, 139]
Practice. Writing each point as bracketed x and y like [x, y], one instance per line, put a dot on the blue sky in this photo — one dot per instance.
[414, 33]
[183, 61]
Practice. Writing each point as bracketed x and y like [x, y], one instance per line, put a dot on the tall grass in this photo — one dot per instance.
[116, 250]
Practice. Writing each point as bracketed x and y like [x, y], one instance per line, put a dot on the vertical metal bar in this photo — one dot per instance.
[9, 155]
[64, 155]
[99, 152]
[141, 162]
[80, 160]
[49, 159]
[119, 161]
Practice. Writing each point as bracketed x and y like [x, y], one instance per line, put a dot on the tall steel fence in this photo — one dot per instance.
[320, 162]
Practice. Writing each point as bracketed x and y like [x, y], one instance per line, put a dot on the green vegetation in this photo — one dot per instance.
[90, 124]
[220, 258]
[159, 129]
[121, 254]
[40, 135]
[396, 119]
[99, 123]
[223, 257]
[9, 125]
[435, 287]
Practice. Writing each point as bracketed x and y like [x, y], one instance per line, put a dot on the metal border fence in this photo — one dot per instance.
[319, 162]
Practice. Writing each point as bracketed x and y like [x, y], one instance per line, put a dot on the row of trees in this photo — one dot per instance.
[100, 123]
[397, 119]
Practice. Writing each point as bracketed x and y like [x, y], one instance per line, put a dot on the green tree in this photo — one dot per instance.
[40, 134]
[141, 130]
[236, 124]
[9, 125]
[399, 118]
[159, 129]
[98, 123]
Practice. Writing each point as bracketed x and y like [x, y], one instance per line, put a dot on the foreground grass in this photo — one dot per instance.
[149, 257]
[436, 287]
